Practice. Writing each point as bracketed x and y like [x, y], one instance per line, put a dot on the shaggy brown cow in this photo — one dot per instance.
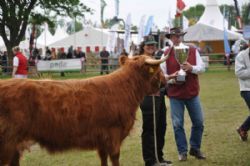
[90, 114]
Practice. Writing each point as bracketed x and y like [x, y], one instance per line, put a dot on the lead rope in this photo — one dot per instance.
[155, 137]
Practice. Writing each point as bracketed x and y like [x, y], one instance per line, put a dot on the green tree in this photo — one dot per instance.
[246, 13]
[194, 13]
[16, 14]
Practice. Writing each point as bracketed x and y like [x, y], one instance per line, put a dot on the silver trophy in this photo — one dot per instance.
[181, 55]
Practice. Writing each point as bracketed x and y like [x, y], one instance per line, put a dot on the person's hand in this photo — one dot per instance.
[187, 67]
[171, 79]
[173, 75]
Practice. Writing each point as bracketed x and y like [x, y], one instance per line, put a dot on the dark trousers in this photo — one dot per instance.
[104, 68]
[246, 96]
[148, 146]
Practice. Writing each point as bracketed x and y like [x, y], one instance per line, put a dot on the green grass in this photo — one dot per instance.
[224, 110]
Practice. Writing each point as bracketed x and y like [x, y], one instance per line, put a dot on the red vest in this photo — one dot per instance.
[22, 65]
[190, 88]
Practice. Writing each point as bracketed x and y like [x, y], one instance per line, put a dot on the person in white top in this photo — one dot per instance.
[20, 64]
[242, 71]
[184, 93]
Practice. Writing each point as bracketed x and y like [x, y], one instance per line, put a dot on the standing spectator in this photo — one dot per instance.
[185, 94]
[48, 54]
[148, 47]
[61, 54]
[20, 64]
[242, 71]
[80, 54]
[70, 52]
[124, 52]
[53, 54]
[104, 54]
[4, 62]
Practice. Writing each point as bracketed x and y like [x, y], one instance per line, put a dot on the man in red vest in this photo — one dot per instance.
[20, 64]
[184, 93]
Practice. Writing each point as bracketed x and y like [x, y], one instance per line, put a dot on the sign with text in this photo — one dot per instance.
[60, 65]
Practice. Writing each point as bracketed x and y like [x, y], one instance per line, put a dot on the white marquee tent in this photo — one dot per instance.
[210, 26]
[203, 32]
[45, 38]
[59, 34]
[88, 37]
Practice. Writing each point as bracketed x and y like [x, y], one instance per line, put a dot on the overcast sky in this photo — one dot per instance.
[160, 9]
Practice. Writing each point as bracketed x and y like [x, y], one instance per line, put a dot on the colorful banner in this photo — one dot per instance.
[225, 35]
[149, 25]
[117, 8]
[127, 32]
[141, 29]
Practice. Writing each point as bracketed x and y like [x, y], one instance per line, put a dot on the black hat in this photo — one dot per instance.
[149, 40]
[175, 31]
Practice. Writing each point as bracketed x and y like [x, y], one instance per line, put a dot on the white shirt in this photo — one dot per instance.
[15, 61]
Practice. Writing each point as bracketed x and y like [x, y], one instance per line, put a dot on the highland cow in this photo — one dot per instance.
[87, 114]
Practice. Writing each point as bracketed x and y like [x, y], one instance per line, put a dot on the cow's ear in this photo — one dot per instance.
[122, 59]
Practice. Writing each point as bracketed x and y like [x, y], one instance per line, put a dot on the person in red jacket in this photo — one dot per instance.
[185, 94]
[20, 64]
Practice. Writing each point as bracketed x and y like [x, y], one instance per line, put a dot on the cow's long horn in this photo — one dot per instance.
[156, 61]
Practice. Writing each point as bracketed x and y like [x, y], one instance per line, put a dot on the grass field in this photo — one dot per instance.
[224, 111]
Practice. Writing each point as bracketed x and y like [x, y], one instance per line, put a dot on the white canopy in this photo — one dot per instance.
[26, 43]
[203, 32]
[59, 34]
[88, 37]
[45, 38]
[210, 26]
[212, 15]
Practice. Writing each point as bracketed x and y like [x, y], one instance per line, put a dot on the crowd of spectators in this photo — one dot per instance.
[53, 54]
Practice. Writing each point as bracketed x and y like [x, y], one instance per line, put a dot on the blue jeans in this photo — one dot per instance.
[177, 114]
[246, 96]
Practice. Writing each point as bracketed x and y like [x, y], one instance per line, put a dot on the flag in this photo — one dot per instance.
[238, 14]
[141, 29]
[112, 38]
[116, 8]
[103, 5]
[180, 7]
[148, 25]
[127, 32]
[227, 49]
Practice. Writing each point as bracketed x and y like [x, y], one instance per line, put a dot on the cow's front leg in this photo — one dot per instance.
[103, 156]
[114, 157]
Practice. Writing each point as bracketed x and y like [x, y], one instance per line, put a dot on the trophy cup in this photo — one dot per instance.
[181, 55]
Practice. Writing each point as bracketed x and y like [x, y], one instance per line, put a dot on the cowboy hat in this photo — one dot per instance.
[175, 31]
